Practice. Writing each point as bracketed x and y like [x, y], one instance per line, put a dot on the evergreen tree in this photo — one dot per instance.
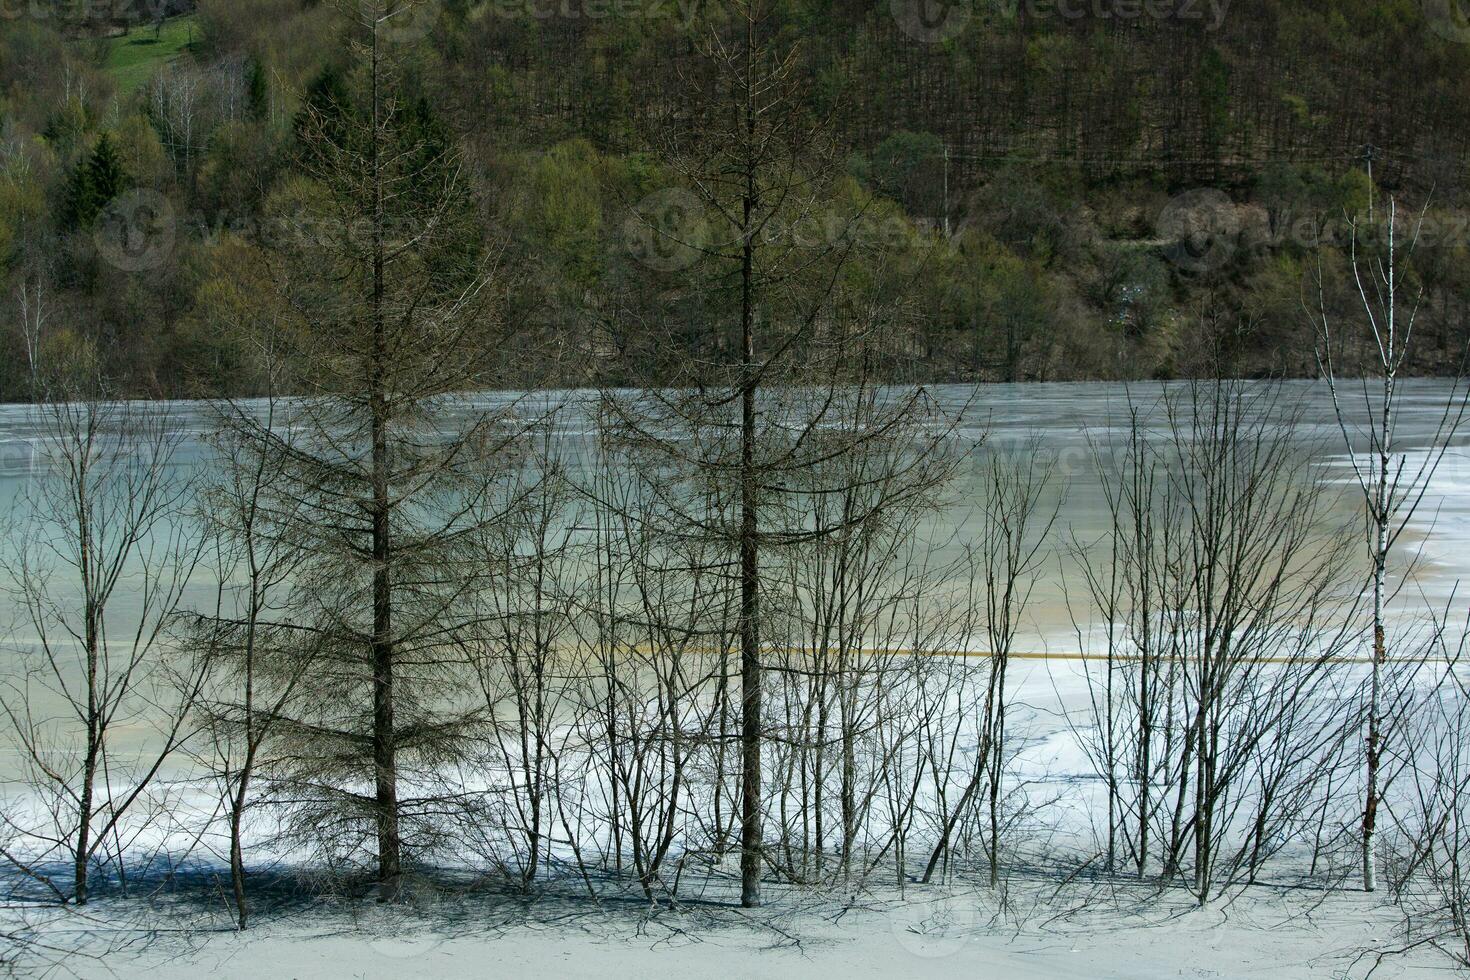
[258, 92]
[97, 180]
[392, 317]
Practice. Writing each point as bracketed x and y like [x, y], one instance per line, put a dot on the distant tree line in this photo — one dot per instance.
[1030, 172]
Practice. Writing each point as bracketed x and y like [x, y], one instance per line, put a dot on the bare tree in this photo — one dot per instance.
[391, 288]
[1392, 486]
[103, 554]
[857, 607]
[1214, 712]
[518, 645]
[1429, 826]
[1133, 737]
[790, 357]
[31, 299]
[1014, 526]
[655, 702]
[259, 658]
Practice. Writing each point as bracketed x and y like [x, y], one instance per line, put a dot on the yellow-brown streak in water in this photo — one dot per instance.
[1031, 655]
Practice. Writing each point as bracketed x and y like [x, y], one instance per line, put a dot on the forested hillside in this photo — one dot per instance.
[1055, 189]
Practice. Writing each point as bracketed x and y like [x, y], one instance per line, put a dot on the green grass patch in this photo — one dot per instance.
[134, 57]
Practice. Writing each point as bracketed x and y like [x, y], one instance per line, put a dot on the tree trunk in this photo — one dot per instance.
[84, 829]
[1381, 518]
[1370, 808]
[94, 739]
[237, 857]
[385, 747]
[750, 664]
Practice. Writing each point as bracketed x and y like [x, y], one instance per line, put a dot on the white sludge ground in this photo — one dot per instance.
[1254, 937]
[1082, 928]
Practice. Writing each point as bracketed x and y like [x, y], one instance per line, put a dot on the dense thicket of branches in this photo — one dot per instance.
[1216, 719]
[567, 665]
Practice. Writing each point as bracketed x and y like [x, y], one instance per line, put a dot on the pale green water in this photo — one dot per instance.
[1074, 424]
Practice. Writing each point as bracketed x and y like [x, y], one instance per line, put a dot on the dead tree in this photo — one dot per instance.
[390, 288]
[1258, 585]
[1392, 486]
[1222, 575]
[103, 553]
[1131, 738]
[258, 658]
[658, 619]
[859, 609]
[1015, 524]
[1117, 576]
[785, 356]
[519, 645]
[1429, 829]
